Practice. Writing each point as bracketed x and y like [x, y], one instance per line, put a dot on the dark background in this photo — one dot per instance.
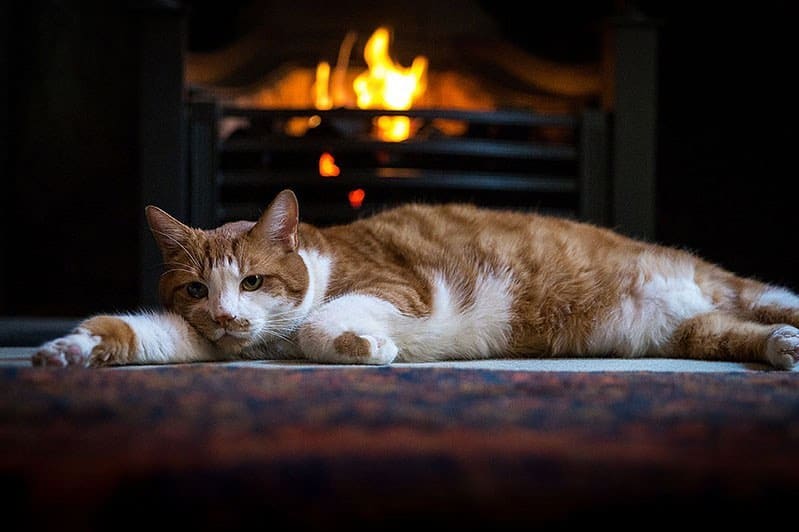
[70, 204]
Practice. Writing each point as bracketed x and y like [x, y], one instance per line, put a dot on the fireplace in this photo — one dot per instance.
[497, 125]
[207, 139]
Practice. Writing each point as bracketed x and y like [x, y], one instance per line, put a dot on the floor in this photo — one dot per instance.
[20, 357]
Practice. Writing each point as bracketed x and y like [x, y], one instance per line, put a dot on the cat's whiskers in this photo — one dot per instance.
[188, 253]
[271, 335]
[288, 340]
[236, 334]
[279, 325]
[291, 320]
[282, 321]
[172, 270]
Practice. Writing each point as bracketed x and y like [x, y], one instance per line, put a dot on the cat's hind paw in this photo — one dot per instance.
[782, 347]
[71, 350]
[365, 348]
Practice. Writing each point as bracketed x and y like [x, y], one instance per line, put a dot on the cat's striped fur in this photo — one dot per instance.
[422, 283]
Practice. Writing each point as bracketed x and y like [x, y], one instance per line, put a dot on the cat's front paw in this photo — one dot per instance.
[71, 350]
[365, 348]
[99, 341]
[782, 347]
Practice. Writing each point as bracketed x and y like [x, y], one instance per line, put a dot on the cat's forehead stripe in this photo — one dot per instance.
[223, 261]
[222, 250]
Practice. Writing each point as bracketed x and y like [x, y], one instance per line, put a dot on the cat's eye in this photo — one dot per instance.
[196, 290]
[252, 282]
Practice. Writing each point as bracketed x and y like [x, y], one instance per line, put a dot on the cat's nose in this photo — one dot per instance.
[224, 319]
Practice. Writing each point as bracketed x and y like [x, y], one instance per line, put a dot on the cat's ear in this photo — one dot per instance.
[167, 231]
[280, 221]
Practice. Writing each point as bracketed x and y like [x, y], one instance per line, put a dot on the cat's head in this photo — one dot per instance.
[239, 283]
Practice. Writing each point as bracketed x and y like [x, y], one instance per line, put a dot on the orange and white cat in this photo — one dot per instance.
[426, 283]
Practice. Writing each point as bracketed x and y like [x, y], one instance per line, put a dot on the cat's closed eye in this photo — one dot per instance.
[252, 283]
[196, 290]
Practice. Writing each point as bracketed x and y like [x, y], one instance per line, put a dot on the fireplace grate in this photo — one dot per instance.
[239, 158]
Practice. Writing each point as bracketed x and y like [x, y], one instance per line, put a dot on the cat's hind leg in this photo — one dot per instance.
[722, 336]
[352, 329]
[771, 304]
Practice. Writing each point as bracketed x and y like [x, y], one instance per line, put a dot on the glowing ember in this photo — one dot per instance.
[298, 126]
[327, 166]
[387, 85]
[356, 197]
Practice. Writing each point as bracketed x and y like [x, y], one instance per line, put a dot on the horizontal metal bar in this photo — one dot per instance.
[462, 147]
[408, 178]
[497, 117]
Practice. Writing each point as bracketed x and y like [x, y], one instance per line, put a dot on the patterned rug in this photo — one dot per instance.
[225, 447]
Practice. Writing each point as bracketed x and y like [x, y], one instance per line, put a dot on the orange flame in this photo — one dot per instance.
[388, 85]
[384, 85]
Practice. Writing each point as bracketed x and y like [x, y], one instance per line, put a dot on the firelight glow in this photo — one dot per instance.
[388, 85]
[356, 197]
[322, 98]
[327, 166]
[384, 85]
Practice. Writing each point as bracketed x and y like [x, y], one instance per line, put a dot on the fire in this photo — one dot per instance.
[327, 166]
[384, 85]
[388, 85]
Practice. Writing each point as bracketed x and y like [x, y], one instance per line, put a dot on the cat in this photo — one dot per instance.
[432, 282]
